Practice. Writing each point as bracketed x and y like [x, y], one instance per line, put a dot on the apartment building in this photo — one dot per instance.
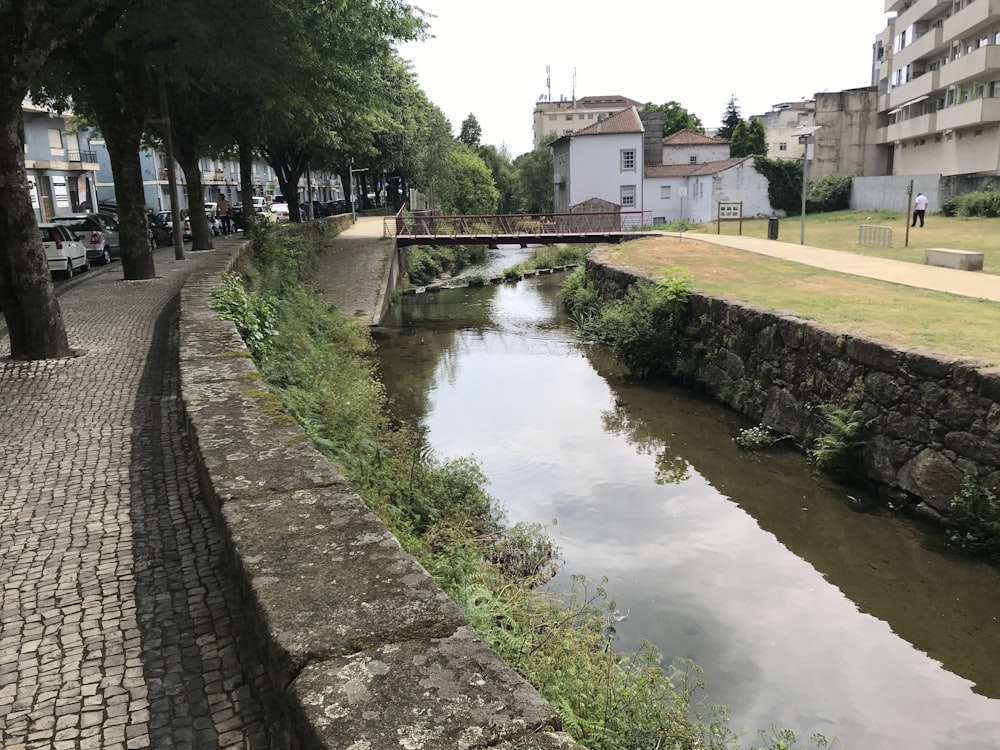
[937, 71]
[60, 163]
[567, 116]
[781, 122]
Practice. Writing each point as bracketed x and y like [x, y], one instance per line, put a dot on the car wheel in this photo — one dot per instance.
[68, 273]
[105, 257]
[86, 263]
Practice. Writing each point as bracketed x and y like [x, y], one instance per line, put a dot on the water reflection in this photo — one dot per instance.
[755, 568]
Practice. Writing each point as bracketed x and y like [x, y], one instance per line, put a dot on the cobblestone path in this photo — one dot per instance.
[119, 621]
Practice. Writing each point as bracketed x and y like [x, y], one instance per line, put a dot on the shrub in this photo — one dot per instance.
[831, 192]
[840, 446]
[784, 182]
[975, 513]
[641, 327]
[253, 314]
[551, 256]
[985, 203]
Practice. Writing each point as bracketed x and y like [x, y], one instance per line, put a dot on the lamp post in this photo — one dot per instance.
[807, 137]
[175, 210]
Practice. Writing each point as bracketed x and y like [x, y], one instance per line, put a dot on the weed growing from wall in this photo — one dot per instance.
[975, 513]
[841, 444]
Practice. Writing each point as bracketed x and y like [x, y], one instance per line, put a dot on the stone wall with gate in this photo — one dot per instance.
[933, 418]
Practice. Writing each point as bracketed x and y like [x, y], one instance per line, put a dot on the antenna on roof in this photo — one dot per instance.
[548, 81]
[574, 86]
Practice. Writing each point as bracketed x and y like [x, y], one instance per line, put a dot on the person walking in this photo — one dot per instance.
[225, 209]
[919, 209]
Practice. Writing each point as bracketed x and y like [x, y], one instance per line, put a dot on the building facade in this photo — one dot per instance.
[936, 67]
[218, 177]
[60, 162]
[847, 141]
[566, 116]
[624, 163]
[780, 123]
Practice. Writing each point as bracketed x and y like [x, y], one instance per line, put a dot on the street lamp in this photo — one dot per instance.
[807, 138]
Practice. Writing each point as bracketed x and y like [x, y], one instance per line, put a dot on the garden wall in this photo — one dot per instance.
[366, 652]
[933, 418]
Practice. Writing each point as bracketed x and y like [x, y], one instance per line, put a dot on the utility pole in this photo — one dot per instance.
[354, 218]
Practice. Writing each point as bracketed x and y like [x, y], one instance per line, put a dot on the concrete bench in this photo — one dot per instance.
[963, 260]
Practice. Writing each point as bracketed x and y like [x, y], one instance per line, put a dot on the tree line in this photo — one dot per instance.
[307, 85]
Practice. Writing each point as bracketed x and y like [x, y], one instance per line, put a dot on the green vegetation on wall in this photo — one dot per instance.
[784, 182]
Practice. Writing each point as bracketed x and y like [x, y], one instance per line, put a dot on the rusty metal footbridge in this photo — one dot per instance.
[515, 229]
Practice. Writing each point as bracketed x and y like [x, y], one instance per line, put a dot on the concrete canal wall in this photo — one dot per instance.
[367, 652]
[933, 418]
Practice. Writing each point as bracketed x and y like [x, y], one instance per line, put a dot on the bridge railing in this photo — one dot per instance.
[515, 225]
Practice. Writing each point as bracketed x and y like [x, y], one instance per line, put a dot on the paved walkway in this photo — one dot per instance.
[119, 620]
[350, 274]
[964, 283]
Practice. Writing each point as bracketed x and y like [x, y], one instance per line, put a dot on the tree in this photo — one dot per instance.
[471, 132]
[30, 31]
[468, 187]
[730, 119]
[675, 118]
[748, 139]
[498, 160]
[533, 177]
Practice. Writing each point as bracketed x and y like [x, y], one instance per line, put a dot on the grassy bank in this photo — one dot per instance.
[318, 364]
[902, 316]
[838, 230]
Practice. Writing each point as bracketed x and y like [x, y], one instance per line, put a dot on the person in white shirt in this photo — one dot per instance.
[919, 209]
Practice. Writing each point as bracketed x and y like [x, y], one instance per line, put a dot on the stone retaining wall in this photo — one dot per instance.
[367, 652]
[934, 418]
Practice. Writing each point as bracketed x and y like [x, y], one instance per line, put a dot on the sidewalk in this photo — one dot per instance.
[351, 273]
[963, 283]
[120, 625]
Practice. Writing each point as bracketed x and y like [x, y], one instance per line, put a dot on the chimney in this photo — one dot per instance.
[652, 139]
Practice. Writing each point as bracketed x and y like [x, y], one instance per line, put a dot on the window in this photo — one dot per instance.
[552, 118]
[693, 160]
[782, 147]
[628, 196]
[590, 115]
[628, 159]
[581, 116]
[56, 147]
[569, 116]
[665, 192]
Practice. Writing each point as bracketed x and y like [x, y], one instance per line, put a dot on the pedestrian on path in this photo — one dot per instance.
[919, 209]
[224, 209]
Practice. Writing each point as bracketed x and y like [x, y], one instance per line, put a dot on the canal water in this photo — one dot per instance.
[802, 612]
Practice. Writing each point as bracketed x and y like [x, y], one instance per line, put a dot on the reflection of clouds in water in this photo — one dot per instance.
[698, 574]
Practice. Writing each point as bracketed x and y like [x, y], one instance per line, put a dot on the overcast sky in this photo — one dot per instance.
[489, 59]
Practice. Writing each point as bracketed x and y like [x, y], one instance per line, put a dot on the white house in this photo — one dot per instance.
[686, 175]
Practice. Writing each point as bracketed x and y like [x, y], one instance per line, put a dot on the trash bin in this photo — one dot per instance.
[772, 228]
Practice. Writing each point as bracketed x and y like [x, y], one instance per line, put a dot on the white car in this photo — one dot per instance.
[98, 233]
[64, 252]
[279, 211]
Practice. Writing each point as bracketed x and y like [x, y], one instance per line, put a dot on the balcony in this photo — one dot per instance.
[923, 47]
[968, 114]
[912, 128]
[920, 10]
[971, 66]
[971, 19]
[922, 85]
[88, 157]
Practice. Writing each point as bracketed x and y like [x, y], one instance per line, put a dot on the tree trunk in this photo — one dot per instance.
[201, 238]
[289, 184]
[122, 139]
[34, 321]
[246, 185]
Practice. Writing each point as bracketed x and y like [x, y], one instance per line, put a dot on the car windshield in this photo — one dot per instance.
[76, 225]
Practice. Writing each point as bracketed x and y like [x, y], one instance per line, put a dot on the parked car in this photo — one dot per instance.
[214, 222]
[64, 252]
[159, 231]
[167, 218]
[336, 207]
[279, 212]
[98, 233]
[319, 210]
[108, 206]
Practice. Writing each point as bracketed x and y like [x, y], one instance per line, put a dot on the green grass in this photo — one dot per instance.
[902, 316]
[839, 231]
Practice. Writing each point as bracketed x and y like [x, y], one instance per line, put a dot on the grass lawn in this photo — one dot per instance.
[903, 316]
[839, 231]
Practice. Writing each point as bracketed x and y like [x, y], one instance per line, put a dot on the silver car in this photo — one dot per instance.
[97, 232]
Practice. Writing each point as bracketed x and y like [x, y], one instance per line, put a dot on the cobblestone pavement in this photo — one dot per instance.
[119, 620]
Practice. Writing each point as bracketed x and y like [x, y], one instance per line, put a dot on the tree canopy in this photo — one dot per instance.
[470, 132]
[675, 118]
[748, 139]
[730, 119]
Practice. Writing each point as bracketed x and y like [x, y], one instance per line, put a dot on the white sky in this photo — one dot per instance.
[489, 59]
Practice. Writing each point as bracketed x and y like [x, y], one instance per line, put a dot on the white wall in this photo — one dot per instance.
[704, 193]
[596, 167]
[702, 154]
[889, 193]
[743, 183]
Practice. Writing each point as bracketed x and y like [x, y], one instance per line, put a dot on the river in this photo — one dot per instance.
[802, 612]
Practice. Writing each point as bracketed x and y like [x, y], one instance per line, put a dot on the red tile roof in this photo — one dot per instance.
[690, 138]
[626, 121]
[693, 170]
